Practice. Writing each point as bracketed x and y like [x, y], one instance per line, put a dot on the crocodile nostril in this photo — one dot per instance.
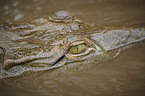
[79, 25]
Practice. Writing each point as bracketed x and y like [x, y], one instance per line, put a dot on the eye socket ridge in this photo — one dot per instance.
[77, 43]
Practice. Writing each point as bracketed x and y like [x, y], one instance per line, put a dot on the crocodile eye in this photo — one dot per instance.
[77, 49]
[80, 50]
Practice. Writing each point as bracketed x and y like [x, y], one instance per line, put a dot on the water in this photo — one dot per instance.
[122, 76]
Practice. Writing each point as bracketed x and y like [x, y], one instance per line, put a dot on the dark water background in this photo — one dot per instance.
[122, 76]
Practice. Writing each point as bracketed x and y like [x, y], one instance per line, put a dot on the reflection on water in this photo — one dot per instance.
[100, 12]
[123, 76]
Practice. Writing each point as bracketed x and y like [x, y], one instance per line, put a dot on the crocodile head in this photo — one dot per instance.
[31, 54]
[48, 45]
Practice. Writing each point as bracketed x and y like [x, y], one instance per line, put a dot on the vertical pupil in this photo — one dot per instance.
[77, 49]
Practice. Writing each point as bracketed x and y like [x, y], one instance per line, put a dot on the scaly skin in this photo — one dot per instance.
[46, 44]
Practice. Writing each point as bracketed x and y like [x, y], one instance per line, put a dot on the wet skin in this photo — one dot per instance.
[45, 44]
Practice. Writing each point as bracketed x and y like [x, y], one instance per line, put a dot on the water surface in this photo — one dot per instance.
[122, 76]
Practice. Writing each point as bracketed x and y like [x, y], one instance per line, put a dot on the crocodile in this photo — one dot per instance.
[60, 39]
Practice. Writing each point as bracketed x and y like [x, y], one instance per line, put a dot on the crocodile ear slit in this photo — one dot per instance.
[2, 57]
[61, 58]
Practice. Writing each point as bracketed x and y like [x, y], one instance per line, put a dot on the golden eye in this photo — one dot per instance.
[77, 49]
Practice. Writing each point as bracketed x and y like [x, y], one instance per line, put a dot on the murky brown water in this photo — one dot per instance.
[122, 76]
